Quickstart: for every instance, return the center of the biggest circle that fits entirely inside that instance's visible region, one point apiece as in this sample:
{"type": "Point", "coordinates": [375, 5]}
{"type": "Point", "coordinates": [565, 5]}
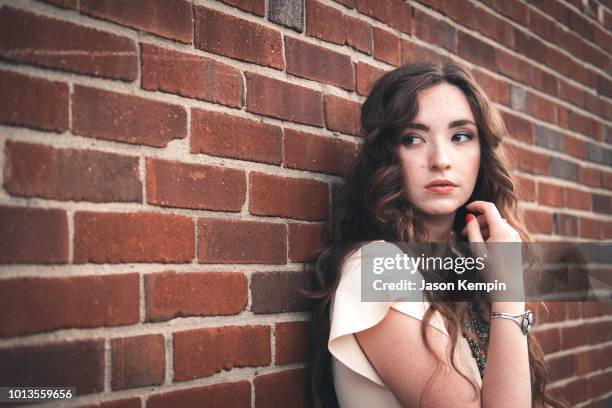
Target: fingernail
{"type": "Point", "coordinates": [469, 217]}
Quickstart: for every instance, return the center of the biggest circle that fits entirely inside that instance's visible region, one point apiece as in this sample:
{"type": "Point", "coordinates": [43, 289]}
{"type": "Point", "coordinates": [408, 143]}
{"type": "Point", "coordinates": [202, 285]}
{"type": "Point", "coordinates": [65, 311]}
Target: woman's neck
{"type": "Point", "coordinates": [439, 227]}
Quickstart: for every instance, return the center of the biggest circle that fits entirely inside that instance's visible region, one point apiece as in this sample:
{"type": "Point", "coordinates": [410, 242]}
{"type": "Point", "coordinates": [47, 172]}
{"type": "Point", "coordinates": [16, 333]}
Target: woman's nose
{"type": "Point", "coordinates": [439, 158]}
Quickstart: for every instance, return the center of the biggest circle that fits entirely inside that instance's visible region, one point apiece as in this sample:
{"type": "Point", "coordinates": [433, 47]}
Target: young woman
{"type": "Point", "coordinates": [431, 169]}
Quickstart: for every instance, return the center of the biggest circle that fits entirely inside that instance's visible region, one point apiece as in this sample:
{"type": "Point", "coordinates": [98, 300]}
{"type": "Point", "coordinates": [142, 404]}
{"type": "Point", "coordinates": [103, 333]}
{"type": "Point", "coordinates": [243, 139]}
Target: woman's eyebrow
{"type": "Point", "coordinates": [451, 125]}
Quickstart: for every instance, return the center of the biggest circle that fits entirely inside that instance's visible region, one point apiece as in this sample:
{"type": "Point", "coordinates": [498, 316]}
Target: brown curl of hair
{"type": "Point", "coordinates": [370, 205]}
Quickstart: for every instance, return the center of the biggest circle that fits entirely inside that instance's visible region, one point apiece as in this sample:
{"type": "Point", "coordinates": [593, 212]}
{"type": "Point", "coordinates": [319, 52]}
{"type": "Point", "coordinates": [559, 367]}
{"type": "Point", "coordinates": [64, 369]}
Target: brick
{"type": "Point", "coordinates": [515, 10]}
{"type": "Point", "coordinates": [529, 46]}
{"type": "Point", "coordinates": [575, 147]}
{"type": "Point", "coordinates": [572, 337]}
{"type": "Point", "coordinates": [51, 43]}
{"type": "Point", "coordinates": [78, 363]}
{"type": "Point", "coordinates": [304, 239]}
{"type": "Point", "coordinates": [171, 19]}
{"type": "Point", "coordinates": [34, 305]}
{"type": "Point", "coordinates": [33, 102]}
{"type": "Point", "coordinates": [190, 76]}
{"type": "Point", "coordinates": [585, 125]}
{"type": "Point", "coordinates": [528, 161]}
{"type": "Point", "coordinates": [317, 153]}
{"type": "Point", "coordinates": [496, 90]}
{"type": "Point", "coordinates": [566, 225]}
{"type": "Point", "coordinates": [541, 108]}
{"type": "Point", "coordinates": [395, 13]}
{"type": "Point", "coordinates": [282, 389]}
{"type": "Point", "coordinates": [309, 61]}
{"type": "Point", "coordinates": [598, 385]}
{"type": "Point", "coordinates": [236, 38]}
{"type": "Point", "coordinates": [539, 222]}
{"type": "Point", "coordinates": [366, 75]}
{"type": "Point", "coordinates": [572, 93]}
{"type": "Point", "coordinates": [475, 50]}
{"type": "Point", "coordinates": [22, 229]}
{"type": "Point", "coordinates": [195, 186]}
{"type": "Point", "coordinates": [578, 199]}
{"type": "Point", "coordinates": [257, 7]}
{"type": "Point", "coordinates": [561, 367]}
{"type": "Point", "coordinates": [346, 3]}
{"type": "Point", "coordinates": [138, 361]}
{"type": "Point", "coordinates": [573, 392]}
{"type": "Point", "coordinates": [33, 170]}
{"type": "Point", "coordinates": [511, 66]}
{"type": "Point", "coordinates": [412, 52]}
{"type": "Point", "coordinates": [132, 237]}
{"type": "Point", "coordinates": [580, 25]}
{"type": "Point", "coordinates": [283, 100]}
{"type": "Point", "coordinates": [485, 22]}
{"type": "Point", "coordinates": [117, 403]}
{"type": "Point", "coordinates": [358, 35]}
{"type": "Point", "coordinates": [278, 292]}
{"type": "Point", "coordinates": [518, 128]}
{"type": "Point", "coordinates": [235, 394]}
{"type": "Point", "coordinates": [607, 180]}
{"type": "Point", "coordinates": [590, 176]}
{"type": "Point", "coordinates": [342, 115]}
{"type": "Point", "coordinates": [170, 294]}
{"type": "Point", "coordinates": [564, 169]}
{"type": "Point", "coordinates": [549, 138]}
{"type": "Point", "coordinates": [602, 204]}
{"type": "Point", "coordinates": [204, 352]}
{"type": "Point", "coordinates": [599, 332]}
{"type": "Point", "coordinates": [434, 31]}
{"type": "Point", "coordinates": [550, 194]}
{"type": "Point", "coordinates": [289, 13]}
{"type": "Point", "coordinates": [326, 23]}
{"type": "Point", "coordinates": [526, 188]}
{"type": "Point", "coordinates": [291, 342]}
{"type": "Point", "coordinates": [598, 154]}
{"type": "Point", "coordinates": [591, 228]}
{"type": "Point", "coordinates": [126, 118]}
{"type": "Point", "coordinates": [387, 47]}
{"type": "Point", "coordinates": [237, 241]}
{"type": "Point", "coordinates": [224, 135]}
{"type": "Point", "coordinates": [550, 340]}
{"type": "Point", "coordinates": [290, 197]}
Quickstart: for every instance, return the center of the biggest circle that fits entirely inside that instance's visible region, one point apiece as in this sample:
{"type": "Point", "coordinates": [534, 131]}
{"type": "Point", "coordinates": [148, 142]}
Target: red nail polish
{"type": "Point", "coordinates": [469, 217]}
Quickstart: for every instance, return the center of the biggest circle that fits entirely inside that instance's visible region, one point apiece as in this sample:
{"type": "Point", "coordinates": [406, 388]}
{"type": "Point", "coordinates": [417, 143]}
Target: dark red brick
{"type": "Point", "coordinates": [191, 76]}
{"type": "Point", "coordinates": [317, 153]}
{"type": "Point", "coordinates": [324, 22]}
{"type": "Point", "coordinates": [132, 237]}
{"type": "Point", "coordinates": [283, 100]}
{"type": "Point", "coordinates": [234, 394]}
{"type": "Point", "coordinates": [236, 38]}
{"type": "Point", "coordinates": [237, 241]}
{"type": "Point", "coordinates": [366, 75]}
{"type": "Point", "coordinates": [257, 7]}
{"type": "Point", "coordinates": [171, 294]}
{"type": "Point", "coordinates": [33, 305]}
{"type": "Point", "coordinates": [387, 47]}
{"type": "Point", "coordinates": [539, 222]}
{"type": "Point", "coordinates": [292, 344]}
{"type": "Point", "coordinates": [224, 135]}
{"type": "Point", "coordinates": [52, 43]}
{"type": "Point", "coordinates": [171, 19]}
{"type": "Point", "coordinates": [278, 292]}
{"type": "Point", "coordinates": [319, 64]}
{"type": "Point", "coordinates": [396, 13]}
{"type": "Point", "coordinates": [196, 186]}
{"type": "Point", "coordinates": [289, 197]}
{"type": "Point", "coordinates": [282, 389]}
{"type": "Point", "coordinates": [138, 361]}
{"type": "Point", "coordinates": [126, 118]}
{"type": "Point", "coordinates": [33, 235]}
{"type": "Point", "coordinates": [204, 352]}
{"type": "Point", "coordinates": [304, 239]}
{"type": "Point", "coordinates": [33, 170]}
{"type": "Point", "coordinates": [342, 115]}
{"type": "Point", "coordinates": [33, 102]}
{"type": "Point", "coordinates": [434, 31]}
{"type": "Point", "coordinates": [79, 364]}
{"type": "Point", "coordinates": [475, 50]}
{"type": "Point", "coordinates": [359, 35]}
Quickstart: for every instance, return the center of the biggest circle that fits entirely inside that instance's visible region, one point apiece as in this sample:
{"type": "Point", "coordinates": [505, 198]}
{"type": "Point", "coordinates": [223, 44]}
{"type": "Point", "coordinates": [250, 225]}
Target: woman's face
{"type": "Point", "coordinates": [442, 143]}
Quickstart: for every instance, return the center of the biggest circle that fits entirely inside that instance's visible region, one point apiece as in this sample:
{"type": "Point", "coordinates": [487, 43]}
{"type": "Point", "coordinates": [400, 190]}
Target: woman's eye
{"type": "Point", "coordinates": [462, 137]}
{"type": "Point", "coordinates": [411, 140]}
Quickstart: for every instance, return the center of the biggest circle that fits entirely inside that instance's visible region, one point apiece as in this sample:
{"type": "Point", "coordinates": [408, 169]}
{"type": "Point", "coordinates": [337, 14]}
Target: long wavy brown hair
{"type": "Point", "coordinates": [370, 205]}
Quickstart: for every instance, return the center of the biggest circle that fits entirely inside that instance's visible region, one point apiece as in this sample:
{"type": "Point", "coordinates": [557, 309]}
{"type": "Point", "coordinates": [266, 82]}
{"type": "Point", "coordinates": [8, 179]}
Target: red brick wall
{"type": "Point", "coordinates": [168, 165]}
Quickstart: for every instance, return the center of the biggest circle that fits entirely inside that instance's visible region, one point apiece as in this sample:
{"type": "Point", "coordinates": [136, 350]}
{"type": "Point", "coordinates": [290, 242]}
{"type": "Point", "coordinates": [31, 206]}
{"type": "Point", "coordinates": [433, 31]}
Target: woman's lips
{"type": "Point", "coordinates": [441, 189]}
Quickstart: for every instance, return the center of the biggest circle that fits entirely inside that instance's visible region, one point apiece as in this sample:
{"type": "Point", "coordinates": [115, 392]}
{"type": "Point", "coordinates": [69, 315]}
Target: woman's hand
{"type": "Point", "coordinates": [494, 239]}
{"type": "Point", "coordinates": [489, 225]}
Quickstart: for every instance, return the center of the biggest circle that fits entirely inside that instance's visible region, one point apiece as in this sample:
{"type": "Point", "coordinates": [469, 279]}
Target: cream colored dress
{"type": "Point", "coordinates": [356, 381]}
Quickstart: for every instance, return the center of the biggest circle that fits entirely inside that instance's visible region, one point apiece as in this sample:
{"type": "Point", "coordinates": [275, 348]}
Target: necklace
{"type": "Point", "coordinates": [476, 325]}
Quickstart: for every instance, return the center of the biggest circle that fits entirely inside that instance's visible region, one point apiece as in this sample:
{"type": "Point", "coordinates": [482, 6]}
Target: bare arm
{"type": "Point", "coordinates": [397, 351]}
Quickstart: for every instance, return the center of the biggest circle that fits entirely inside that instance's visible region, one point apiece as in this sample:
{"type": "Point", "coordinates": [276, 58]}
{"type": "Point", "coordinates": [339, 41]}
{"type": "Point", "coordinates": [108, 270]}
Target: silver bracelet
{"type": "Point", "coordinates": [524, 323]}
